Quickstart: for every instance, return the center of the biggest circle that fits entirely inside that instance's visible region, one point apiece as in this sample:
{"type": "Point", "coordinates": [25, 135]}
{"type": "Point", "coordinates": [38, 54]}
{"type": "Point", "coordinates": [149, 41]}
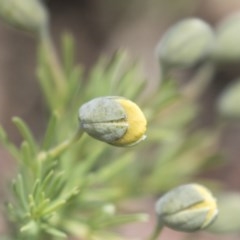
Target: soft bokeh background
{"type": "Point", "coordinates": [102, 27]}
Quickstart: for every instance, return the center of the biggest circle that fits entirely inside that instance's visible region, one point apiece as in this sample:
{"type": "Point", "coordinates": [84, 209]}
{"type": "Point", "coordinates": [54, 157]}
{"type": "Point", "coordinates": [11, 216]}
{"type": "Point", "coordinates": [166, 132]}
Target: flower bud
{"type": "Point", "coordinates": [227, 47]}
{"type": "Point", "coordinates": [115, 120]}
{"type": "Point", "coordinates": [29, 15]}
{"type": "Point", "coordinates": [187, 208]}
{"type": "Point", "coordinates": [186, 43]}
{"type": "Point", "coordinates": [228, 102]}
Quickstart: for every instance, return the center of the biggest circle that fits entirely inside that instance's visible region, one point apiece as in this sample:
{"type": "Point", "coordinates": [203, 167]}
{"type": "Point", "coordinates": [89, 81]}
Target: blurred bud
{"type": "Point", "coordinates": [227, 47]}
{"type": "Point", "coordinates": [109, 209]}
{"type": "Point", "coordinates": [228, 220]}
{"type": "Point", "coordinates": [229, 100]}
{"type": "Point", "coordinates": [28, 15]}
{"type": "Point", "coordinates": [115, 120]}
{"type": "Point", "coordinates": [187, 208]}
{"type": "Point", "coordinates": [185, 44]}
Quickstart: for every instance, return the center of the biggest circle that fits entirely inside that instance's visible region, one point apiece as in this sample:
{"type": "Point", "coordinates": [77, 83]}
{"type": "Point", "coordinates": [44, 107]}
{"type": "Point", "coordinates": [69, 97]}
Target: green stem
{"type": "Point", "coordinates": [61, 148]}
{"type": "Point", "coordinates": [157, 230]}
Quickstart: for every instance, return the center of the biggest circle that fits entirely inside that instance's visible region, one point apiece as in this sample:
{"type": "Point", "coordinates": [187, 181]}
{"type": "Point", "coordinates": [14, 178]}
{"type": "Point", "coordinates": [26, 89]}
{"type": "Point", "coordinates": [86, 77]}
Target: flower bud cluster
{"type": "Point", "coordinates": [192, 40]}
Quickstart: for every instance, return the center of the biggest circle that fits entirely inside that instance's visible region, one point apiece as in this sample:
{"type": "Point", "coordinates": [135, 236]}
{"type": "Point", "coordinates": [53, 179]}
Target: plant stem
{"type": "Point", "coordinates": [58, 150]}
{"type": "Point", "coordinates": [157, 230]}
{"type": "Point", "coordinates": [55, 152]}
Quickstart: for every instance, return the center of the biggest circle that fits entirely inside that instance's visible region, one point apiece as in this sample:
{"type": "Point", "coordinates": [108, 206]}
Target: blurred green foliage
{"type": "Point", "coordinates": [54, 194]}
{"type": "Point", "coordinates": [68, 188]}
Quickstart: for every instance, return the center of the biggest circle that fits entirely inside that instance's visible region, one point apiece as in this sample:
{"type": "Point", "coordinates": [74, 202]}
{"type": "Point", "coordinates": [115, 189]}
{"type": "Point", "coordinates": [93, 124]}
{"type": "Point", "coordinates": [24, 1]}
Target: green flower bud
{"type": "Point", "coordinates": [227, 47]}
{"type": "Point", "coordinates": [29, 15]}
{"type": "Point", "coordinates": [115, 120]}
{"type": "Point", "coordinates": [228, 101]}
{"type": "Point", "coordinates": [187, 208]}
{"type": "Point", "coordinates": [186, 43]}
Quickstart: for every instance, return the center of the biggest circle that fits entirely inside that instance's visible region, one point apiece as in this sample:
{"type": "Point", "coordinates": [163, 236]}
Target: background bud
{"type": "Point", "coordinates": [29, 15]}
{"type": "Point", "coordinates": [186, 43]}
{"type": "Point", "coordinates": [115, 120]}
{"type": "Point", "coordinates": [229, 100]}
{"type": "Point", "coordinates": [187, 208]}
{"type": "Point", "coordinates": [227, 47]}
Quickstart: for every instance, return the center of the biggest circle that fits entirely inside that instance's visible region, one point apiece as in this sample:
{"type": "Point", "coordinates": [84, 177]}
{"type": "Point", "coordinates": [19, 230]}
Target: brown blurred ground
{"type": "Point", "coordinates": [102, 27]}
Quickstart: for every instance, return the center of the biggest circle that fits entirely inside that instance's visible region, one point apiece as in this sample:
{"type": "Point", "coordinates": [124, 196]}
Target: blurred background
{"type": "Point", "coordinates": [102, 27]}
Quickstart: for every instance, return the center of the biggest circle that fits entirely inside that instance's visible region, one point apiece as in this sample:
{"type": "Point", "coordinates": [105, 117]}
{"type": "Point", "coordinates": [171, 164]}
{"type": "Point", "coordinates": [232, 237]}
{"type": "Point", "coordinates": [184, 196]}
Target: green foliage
{"type": "Point", "coordinates": [65, 189]}
{"type": "Point", "coordinates": [71, 185]}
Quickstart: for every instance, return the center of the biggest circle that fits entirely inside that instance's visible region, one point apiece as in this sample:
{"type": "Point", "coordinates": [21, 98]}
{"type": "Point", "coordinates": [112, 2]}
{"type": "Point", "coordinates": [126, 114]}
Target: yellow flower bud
{"type": "Point", "coordinates": [115, 120]}
{"type": "Point", "coordinates": [29, 15]}
{"type": "Point", "coordinates": [187, 208]}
